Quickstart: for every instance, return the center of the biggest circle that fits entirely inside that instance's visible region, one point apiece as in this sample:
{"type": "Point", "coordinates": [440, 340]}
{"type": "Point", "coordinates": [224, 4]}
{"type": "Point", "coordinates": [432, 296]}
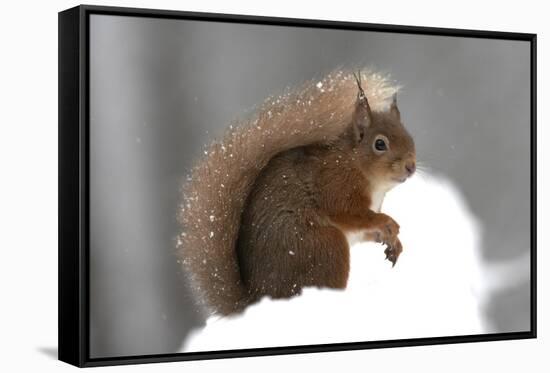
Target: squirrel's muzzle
{"type": "Point", "coordinates": [410, 167]}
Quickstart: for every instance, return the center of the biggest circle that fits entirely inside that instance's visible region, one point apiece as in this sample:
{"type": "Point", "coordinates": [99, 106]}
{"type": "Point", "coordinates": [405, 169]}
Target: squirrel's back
{"type": "Point", "coordinates": [211, 244]}
{"type": "Point", "coordinates": [274, 251]}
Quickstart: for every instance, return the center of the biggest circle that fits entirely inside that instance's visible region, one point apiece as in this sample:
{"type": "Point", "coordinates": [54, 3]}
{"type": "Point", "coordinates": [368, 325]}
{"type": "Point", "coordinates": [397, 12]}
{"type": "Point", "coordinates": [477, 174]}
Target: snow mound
{"type": "Point", "coordinates": [435, 289]}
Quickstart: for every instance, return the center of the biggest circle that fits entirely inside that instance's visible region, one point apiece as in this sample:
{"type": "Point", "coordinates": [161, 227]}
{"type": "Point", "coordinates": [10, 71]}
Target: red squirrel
{"type": "Point", "coordinates": [267, 211]}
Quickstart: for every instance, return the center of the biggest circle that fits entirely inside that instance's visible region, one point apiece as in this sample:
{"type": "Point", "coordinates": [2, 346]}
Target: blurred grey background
{"type": "Point", "coordinates": [160, 89]}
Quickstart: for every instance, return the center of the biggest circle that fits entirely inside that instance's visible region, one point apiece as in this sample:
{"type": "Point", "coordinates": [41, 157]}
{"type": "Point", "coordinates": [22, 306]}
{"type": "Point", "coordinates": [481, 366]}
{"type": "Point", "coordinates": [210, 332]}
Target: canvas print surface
{"type": "Point", "coordinates": [266, 186]}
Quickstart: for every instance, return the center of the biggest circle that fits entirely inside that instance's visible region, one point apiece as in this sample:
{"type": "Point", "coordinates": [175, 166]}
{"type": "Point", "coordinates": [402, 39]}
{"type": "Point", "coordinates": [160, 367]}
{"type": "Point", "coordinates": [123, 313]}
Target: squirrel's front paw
{"type": "Point", "coordinates": [388, 236]}
{"type": "Point", "coordinates": [393, 250]}
{"type": "Point", "coordinates": [387, 231]}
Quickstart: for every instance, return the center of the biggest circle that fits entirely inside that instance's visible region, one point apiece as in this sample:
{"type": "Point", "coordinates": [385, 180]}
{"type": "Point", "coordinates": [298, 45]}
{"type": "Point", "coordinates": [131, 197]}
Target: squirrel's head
{"type": "Point", "coordinates": [382, 143]}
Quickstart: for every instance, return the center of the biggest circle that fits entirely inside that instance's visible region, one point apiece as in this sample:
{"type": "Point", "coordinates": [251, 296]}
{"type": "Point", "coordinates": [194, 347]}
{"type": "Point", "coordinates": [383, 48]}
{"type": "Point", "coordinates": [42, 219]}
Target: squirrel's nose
{"type": "Point", "coordinates": [410, 167]}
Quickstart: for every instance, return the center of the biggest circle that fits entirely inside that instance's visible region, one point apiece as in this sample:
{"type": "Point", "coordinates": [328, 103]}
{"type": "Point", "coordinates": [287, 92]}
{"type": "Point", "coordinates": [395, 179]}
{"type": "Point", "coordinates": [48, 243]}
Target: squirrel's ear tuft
{"type": "Point", "coordinates": [394, 110]}
{"type": "Point", "coordinates": [362, 116]}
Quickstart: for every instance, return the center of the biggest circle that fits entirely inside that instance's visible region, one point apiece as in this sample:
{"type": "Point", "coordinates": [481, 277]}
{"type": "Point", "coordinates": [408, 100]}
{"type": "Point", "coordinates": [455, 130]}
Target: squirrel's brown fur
{"type": "Point", "coordinates": [266, 210]}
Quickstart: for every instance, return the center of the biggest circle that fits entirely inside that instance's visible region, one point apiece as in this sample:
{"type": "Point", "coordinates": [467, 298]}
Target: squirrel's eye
{"type": "Point", "coordinates": [380, 145]}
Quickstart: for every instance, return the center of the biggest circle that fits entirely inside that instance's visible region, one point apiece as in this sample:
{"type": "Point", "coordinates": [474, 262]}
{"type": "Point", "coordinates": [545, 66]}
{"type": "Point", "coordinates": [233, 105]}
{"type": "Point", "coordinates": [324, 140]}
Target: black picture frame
{"type": "Point", "coordinates": [74, 327]}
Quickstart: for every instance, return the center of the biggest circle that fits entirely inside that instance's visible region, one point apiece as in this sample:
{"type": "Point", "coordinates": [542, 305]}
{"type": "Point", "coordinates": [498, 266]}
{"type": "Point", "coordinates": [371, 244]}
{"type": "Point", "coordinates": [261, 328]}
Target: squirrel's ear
{"type": "Point", "coordinates": [394, 110]}
{"type": "Point", "coordinates": [362, 117]}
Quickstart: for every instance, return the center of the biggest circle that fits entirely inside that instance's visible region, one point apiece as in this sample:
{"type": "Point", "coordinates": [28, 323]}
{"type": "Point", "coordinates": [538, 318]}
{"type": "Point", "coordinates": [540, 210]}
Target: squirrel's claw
{"type": "Point", "coordinates": [392, 251]}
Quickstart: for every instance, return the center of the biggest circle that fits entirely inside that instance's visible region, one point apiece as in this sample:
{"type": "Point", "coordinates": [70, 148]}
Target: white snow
{"type": "Point", "coordinates": [435, 289]}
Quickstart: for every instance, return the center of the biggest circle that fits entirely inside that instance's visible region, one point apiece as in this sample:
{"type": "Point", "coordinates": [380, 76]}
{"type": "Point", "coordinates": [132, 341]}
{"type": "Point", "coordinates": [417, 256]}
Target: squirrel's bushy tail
{"type": "Point", "coordinates": [214, 195]}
